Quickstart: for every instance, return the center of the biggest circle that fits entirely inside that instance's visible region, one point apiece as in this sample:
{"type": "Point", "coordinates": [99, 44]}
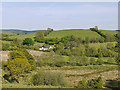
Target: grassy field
{"type": "Point", "coordinates": [62, 33]}
{"type": "Point", "coordinates": [101, 44]}
{"type": "Point", "coordinates": [73, 74]}
{"type": "Point", "coordinates": [23, 36]}
{"type": "Point", "coordinates": [109, 32]}
{"type": "Point", "coordinates": [82, 33]}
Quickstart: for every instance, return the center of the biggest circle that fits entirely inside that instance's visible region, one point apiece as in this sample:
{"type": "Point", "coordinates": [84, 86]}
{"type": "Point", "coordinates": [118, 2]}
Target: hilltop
{"type": "Point", "coordinates": [82, 33]}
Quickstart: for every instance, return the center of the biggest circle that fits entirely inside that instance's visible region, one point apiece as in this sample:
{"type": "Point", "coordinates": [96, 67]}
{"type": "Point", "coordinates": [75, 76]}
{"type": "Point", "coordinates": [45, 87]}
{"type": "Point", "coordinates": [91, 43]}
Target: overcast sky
{"type": "Point", "coordinates": [41, 15]}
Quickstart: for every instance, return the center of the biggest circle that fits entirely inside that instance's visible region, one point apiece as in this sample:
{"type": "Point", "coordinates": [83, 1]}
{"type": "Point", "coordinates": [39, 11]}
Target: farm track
{"type": "Point", "coordinates": [35, 53]}
{"type": "Point", "coordinates": [105, 75]}
{"type": "Point", "coordinates": [4, 55]}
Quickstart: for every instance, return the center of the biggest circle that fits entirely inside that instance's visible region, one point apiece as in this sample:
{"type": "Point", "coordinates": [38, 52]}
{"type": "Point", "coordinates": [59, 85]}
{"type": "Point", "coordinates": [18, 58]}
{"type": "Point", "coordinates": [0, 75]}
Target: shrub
{"type": "Point", "coordinates": [92, 61]}
{"type": "Point", "coordinates": [82, 84]}
{"type": "Point", "coordinates": [5, 46]}
{"type": "Point", "coordinates": [22, 53]}
{"type": "Point", "coordinates": [110, 45]}
{"type": "Point", "coordinates": [78, 60]}
{"type": "Point", "coordinates": [30, 58]}
{"type": "Point", "coordinates": [16, 67]}
{"type": "Point", "coordinates": [58, 61]}
{"type": "Point", "coordinates": [28, 41]}
{"type": "Point", "coordinates": [49, 78]}
{"type": "Point", "coordinates": [92, 83]}
{"type": "Point", "coordinates": [95, 83]}
{"type": "Point", "coordinates": [16, 54]}
{"type": "Point", "coordinates": [39, 37]}
{"type": "Point", "coordinates": [111, 60]}
{"type": "Point", "coordinates": [99, 61]}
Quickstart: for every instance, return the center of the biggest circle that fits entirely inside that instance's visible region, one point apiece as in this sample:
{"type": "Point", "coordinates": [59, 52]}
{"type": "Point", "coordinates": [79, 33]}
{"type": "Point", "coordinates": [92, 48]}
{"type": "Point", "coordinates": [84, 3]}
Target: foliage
{"type": "Point", "coordinates": [92, 83]}
{"type": "Point", "coordinates": [78, 61]}
{"type": "Point", "coordinates": [39, 37]}
{"type": "Point", "coordinates": [110, 45]}
{"type": "Point", "coordinates": [28, 41]}
{"type": "Point", "coordinates": [82, 84]}
{"type": "Point", "coordinates": [95, 83]}
{"type": "Point", "coordinates": [16, 67]}
{"type": "Point", "coordinates": [58, 61]}
{"type": "Point", "coordinates": [67, 38]}
{"type": "Point", "coordinates": [99, 61]}
{"type": "Point", "coordinates": [30, 58]}
{"type": "Point", "coordinates": [111, 60]}
{"type": "Point", "coordinates": [49, 78]}
{"type": "Point", "coordinates": [92, 61]}
{"type": "Point", "coordinates": [16, 54]}
{"type": "Point", "coordinates": [5, 46]}
{"type": "Point", "coordinates": [22, 53]}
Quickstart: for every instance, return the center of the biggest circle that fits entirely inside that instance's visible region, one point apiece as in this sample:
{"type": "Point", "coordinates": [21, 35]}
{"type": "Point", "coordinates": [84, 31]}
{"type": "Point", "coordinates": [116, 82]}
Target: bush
{"type": "Point", "coordinates": [16, 67]}
{"type": "Point", "coordinates": [22, 53]}
{"type": "Point", "coordinates": [99, 61]}
{"type": "Point", "coordinates": [58, 61]}
{"type": "Point", "coordinates": [5, 46]}
{"type": "Point", "coordinates": [79, 61]}
{"type": "Point", "coordinates": [92, 61]}
{"type": "Point", "coordinates": [49, 78]}
{"type": "Point", "coordinates": [30, 58]}
{"type": "Point", "coordinates": [16, 54]}
{"type": "Point", "coordinates": [92, 83]}
{"type": "Point", "coordinates": [111, 60]}
{"type": "Point", "coordinates": [110, 45]}
{"type": "Point", "coordinates": [82, 84]}
{"type": "Point", "coordinates": [28, 41]}
{"type": "Point", "coordinates": [95, 83]}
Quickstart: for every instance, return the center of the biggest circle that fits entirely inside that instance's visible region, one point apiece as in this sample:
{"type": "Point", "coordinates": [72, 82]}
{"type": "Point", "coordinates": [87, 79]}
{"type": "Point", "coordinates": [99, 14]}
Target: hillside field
{"type": "Point", "coordinates": [82, 33]}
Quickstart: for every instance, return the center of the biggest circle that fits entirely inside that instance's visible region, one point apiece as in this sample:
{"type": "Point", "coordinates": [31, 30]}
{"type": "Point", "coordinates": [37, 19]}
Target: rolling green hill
{"type": "Point", "coordinates": [82, 33]}
{"type": "Point", "coordinates": [23, 36]}
{"type": "Point", "coordinates": [109, 32]}
{"type": "Point", "coordinates": [17, 31]}
{"type": "Point", "coordinates": [7, 32]}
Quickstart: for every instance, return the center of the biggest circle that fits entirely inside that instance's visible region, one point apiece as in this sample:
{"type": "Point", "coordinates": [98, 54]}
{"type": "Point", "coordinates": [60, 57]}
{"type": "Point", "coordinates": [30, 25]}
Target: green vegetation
{"type": "Point", "coordinates": [20, 61]}
{"type": "Point", "coordinates": [49, 78]}
{"type": "Point", "coordinates": [28, 41]}
{"type": "Point", "coordinates": [75, 32]}
{"type": "Point", "coordinates": [79, 54]}
{"type": "Point", "coordinates": [15, 68]}
{"type": "Point", "coordinates": [93, 83]}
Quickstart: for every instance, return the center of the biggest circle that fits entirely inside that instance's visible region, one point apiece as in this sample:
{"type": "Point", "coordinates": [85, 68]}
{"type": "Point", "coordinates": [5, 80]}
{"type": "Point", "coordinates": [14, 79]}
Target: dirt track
{"type": "Point", "coordinates": [4, 55]}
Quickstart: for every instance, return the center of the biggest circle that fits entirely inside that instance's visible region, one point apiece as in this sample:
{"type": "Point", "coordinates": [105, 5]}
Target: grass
{"type": "Point", "coordinates": [82, 33]}
{"type": "Point", "coordinates": [23, 36]}
{"type": "Point", "coordinates": [101, 44]}
{"type": "Point", "coordinates": [62, 33]}
{"type": "Point", "coordinates": [81, 73]}
{"type": "Point", "coordinates": [89, 67]}
{"type": "Point", "coordinates": [96, 72]}
{"type": "Point", "coordinates": [109, 32]}
{"type": "Point", "coordinates": [29, 86]}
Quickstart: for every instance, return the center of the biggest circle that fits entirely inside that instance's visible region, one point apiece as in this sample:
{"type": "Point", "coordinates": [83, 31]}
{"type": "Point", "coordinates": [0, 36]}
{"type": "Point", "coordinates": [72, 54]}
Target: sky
{"type": "Point", "coordinates": [59, 15]}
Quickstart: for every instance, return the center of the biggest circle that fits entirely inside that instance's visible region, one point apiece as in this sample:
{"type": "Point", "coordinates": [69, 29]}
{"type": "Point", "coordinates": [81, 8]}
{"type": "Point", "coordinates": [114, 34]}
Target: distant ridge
{"type": "Point", "coordinates": [19, 31]}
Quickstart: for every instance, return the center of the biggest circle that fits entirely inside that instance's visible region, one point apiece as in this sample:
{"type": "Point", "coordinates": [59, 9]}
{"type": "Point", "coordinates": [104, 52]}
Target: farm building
{"type": "Point", "coordinates": [45, 48]}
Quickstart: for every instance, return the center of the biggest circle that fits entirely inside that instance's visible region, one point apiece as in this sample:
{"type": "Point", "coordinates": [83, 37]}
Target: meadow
{"type": "Point", "coordinates": [67, 61]}
{"type": "Point", "coordinates": [73, 75]}
{"type": "Point", "coordinates": [82, 33]}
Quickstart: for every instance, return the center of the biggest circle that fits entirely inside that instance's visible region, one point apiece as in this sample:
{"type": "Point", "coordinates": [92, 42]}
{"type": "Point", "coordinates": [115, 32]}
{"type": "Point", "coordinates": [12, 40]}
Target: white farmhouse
{"type": "Point", "coordinates": [45, 48]}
